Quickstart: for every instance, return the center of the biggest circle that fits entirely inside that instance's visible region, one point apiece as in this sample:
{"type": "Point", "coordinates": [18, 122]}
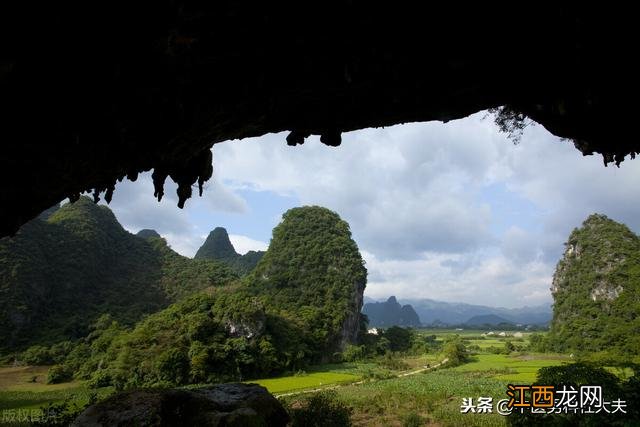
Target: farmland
{"type": "Point", "coordinates": [378, 391]}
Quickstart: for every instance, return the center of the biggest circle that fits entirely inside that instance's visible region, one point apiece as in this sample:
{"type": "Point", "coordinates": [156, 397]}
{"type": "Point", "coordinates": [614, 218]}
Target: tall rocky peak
{"type": "Point", "coordinates": [391, 313]}
{"type": "Point", "coordinates": [314, 265]}
{"type": "Point", "coordinates": [217, 246]}
{"type": "Point", "coordinates": [595, 288]}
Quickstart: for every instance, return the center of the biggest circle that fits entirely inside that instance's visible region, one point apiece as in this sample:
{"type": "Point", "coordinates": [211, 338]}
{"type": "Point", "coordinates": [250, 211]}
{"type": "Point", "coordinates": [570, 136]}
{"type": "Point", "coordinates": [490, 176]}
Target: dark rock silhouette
{"type": "Point", "coordinates": [218, 247]}
{"type": "Point", "coordinates": [83, 105]}
{"type": "Point", "coordinates": [390, 313]}
{"type": "Point", "coordinates": [233, 405]}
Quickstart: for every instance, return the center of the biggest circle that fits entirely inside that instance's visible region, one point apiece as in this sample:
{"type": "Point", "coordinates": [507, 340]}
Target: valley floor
{"type": "Point", "coordinates": [377, 395]}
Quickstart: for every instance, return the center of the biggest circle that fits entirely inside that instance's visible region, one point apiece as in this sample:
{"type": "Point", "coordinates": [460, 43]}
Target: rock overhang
{"type": "Point", "coordinates": [93, 96]}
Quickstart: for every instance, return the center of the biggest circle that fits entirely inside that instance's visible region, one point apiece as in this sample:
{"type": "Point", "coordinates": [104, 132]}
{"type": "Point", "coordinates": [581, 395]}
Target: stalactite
{"type": "Point", "coordinates": [331, 137]}
{"type": "Point", "coordinates": [296, 137]}
{"type": "Point", "coordinates": [159, 176]}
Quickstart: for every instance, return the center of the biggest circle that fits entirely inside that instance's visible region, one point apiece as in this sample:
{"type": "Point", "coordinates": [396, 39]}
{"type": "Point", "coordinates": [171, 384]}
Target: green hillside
{"type": "Point", "coordinates": [596, 290]}
{"type": "Point", "coordinates": [301, 304]}
{"type": "Point", "coordinates": [314, 265]}
{"type": "Point", "coordinates": [66, 268]}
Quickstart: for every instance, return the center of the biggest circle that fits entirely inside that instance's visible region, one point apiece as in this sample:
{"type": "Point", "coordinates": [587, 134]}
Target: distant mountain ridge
{"type": "Point", "coordinates": [486, 319]}
{"type": "Point", "coordinates": [432, 311]}
{"type": "Point", "coordinates": [390, 313]}
{"type": "Point", "coordinates": [218, 247]}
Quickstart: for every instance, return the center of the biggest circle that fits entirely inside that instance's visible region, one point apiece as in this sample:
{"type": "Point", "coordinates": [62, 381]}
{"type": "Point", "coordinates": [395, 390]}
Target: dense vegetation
{"type": "Point", "coordinates": [313, 276]}
{"type": "Point", "coordinates": [300, 306]}
{"type": "Point", "coordinates": [390, 313]}
{"type": "Point", "coordinates": [595, 288]}
{"type": "Point", "coordinates": [218, 247]}
{"type": "Point", "coordinates": [579, 374]}
{"type": "Point", "coordinates": [220, 336]}
{"type": "Point", "coordinates": [72, 264]}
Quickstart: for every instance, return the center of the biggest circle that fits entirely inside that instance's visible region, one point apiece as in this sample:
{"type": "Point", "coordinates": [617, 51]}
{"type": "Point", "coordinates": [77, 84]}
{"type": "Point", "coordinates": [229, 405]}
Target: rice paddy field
{"type": "Point", "coordinates": [312, 380]}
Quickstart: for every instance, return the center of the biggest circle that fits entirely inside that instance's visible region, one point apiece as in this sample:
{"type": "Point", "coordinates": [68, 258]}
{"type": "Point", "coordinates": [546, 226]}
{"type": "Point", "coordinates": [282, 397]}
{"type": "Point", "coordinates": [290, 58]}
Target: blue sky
{"type": "Point", "coordinates": [454, 211]}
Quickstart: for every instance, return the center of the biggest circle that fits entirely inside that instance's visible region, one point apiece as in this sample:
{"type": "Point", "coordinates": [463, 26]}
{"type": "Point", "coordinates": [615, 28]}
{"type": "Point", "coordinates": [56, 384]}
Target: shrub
{"type": "Point", "coordinates": [455, 351]}
{"type": "Point", "coordinates": [399, 338]}
{"type": "Point", "coordinates": [392, 361]}
{"type": "Point", "coordinates": [353, 353]}
{"type": "Point", "coordinates": [58, 374]}
{"type": "Point", "coordinates": [495, 350]}
{"type": "Point", "coordinates": [577, 374]}
{"type": "Point", "coordinates": [509, 347]}
{"type": "Point", "coordinates": [377, 374]}
{"type": "Point", "coordinates": [300, 373]}
{"type": "Point", "coordinates": [58, 352]}
{"type": "Point", "coordinates": [37, 355]}
{"type": "Point", "coordinates": [320, 410]}
{"type": "Point", "coordinates": [100, 378]}
{"type": "Point", "coordinates": [412, 420]}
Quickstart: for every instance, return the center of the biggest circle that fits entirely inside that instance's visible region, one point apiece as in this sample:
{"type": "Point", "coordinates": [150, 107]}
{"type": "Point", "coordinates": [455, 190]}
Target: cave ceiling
{"type": "Point", "coordinates": [96, 92]}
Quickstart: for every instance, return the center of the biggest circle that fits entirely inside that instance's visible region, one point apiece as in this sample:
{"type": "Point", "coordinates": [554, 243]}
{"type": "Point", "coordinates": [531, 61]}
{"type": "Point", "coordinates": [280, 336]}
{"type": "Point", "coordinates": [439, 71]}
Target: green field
{"type": "Point", "coordinates": [521, 369]}
{"type": "Point", "coordinates": [435, 396]}
{"type": "Point", "coordinates": [24, 394]}
{"type": "Point", "coordinates": [306, 381]}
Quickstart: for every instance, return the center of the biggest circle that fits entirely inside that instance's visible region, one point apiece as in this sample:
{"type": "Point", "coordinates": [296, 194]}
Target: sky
{"type": "Point", "coordinates": [453, 212]}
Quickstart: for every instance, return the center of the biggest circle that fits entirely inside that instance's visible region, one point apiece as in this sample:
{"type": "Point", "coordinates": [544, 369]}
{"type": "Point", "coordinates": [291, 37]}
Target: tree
{"type": "Point", "coordinates": [399, 338]}
{"type": "Point", "coordinates": [455, 351]}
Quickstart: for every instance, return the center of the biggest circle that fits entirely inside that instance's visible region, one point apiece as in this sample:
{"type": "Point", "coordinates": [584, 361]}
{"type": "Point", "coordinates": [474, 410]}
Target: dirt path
{"type": "Point", "coordinates": [333, 387]}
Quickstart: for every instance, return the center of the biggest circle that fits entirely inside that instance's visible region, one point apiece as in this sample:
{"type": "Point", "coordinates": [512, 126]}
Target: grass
{"type": "Point", "coordinates": [23, 389]}
{"type": "Point", "coordinates": [436, 396]}
{"type": "Point", "coordinates": [513, 369]}
{"type": "Point", "coordinates": [307, 381]}
{"type": "Point", "coordinates": [30, 379]}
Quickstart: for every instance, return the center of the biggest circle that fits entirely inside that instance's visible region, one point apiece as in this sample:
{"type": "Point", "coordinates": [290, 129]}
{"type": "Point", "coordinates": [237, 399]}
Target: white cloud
{"type": "Point", "coordinates": [244, 244]}
{"type": "Point", "coordinates": [421, 202]}
{"type": "Point", "coordinates": [413, 195]}
{"type": "Point", "coordinates": [494, 281]}
{"type": "Point", "coordinates": [520, 245]}
{"type": "Point", "coordinates": [404, 190]}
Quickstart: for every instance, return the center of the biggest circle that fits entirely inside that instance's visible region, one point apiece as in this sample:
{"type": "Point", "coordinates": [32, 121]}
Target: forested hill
{"type": "Point", "coordinates": [314, 276]}
{"type": "Point", "coordinates": [595, 288]}
{"type": "Point", "coordinates": [69, 265]}
{"type": "Point", "coordinates": [390, 313]}
{"type": "Point", "coordinates": [217, 246]}
{"type": "Point", "coordinates": [300, 306]}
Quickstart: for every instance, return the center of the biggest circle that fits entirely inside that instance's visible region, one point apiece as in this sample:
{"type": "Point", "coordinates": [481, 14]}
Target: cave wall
{"type": "Point", "coordinates": [92, 93]}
